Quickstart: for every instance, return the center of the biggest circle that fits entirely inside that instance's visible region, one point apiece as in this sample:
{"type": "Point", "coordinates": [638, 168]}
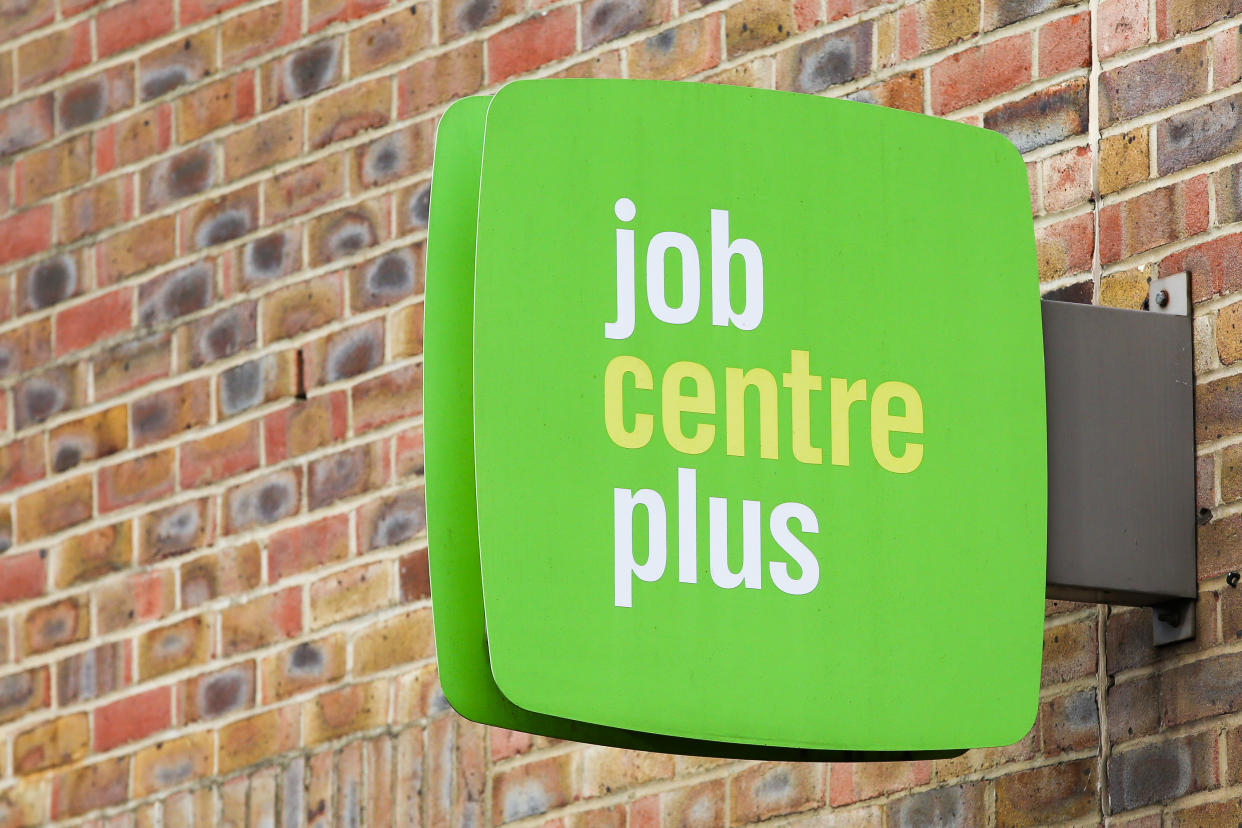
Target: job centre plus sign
{"type": "Point", "coordinates": [688, 408]}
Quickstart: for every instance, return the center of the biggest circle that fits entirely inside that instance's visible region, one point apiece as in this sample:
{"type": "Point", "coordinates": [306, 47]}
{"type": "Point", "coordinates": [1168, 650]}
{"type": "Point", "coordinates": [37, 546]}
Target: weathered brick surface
{"type": "Point", "coordinates": [211, 459]}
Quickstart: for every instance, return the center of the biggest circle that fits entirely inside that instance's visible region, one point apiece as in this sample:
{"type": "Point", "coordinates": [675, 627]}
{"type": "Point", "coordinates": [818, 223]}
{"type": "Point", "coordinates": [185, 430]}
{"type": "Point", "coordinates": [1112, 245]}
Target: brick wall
{"type": "Point", "coordinates": [213, 588]}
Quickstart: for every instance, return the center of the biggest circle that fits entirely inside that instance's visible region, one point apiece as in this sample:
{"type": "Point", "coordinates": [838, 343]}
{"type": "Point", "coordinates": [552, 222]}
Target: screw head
{"type": "Point", "coordinates": [1162, 298]}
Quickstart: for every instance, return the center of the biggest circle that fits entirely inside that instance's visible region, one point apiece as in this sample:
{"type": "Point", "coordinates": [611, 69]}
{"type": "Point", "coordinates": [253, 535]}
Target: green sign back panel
{"type": "Point", "coordinates": [465, 670]}
{"type": "Point", "coordinates": [806, 509]}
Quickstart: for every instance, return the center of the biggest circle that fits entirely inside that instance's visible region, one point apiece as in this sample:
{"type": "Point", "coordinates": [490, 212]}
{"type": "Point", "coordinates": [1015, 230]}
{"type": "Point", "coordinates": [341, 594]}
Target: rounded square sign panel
{"type": "Point", "coordinates": [759, 417]}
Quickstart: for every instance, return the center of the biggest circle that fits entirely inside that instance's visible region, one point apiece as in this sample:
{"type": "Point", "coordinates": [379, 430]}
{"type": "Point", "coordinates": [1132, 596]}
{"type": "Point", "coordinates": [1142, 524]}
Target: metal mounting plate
{"type": "Point", "coordinates": [1121, 499]}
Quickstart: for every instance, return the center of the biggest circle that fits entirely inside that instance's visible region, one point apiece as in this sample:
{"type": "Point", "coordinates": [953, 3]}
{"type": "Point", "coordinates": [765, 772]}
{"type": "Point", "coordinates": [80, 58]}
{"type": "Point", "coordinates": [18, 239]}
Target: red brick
{"type": "Point", "coordinates": [226, 101]}
{"type": "Point", "coordinates": [184, 61]}
{"type": "Point", "coordinates": [345, 710]}
{"type": "Point", "coordinates": [407, 637]}
{"type": "Point", "coordinates": [55, 625]}
{"type": "Point", "coordinates": [193, 11]}
{"type": "Point", "coordinates": [1043, 117]}
{"type": "Point", "coordinates": [388, 397]}
{"type": "Point", "coordinates": [24, 17]}
{"type": "Point", "coordinates": [262, 144]}
{"type": "Point", "coordinates": [175, 529]}
{"type": "Point", "coordinates": [530, 44]}
{"type": "Point", "coordinates": [1133, 708]}
{"type": "Point", "coordinates": [136, 249]}
{"type": "Point", "coordinates": [440, 79]}
{"type": "Point", "coordinates": [392, 520]}
{"type": "Point", "coordinates": [963, 805]}
{"type": "Point", "coordinates": [305, 426]}
{"type": "Point", "coordinates": [25, 233]}
{"type": "Point", "coordinates": [690, 47]}
{"type": "Point", "coordinates": [132, 22]}
{"type": "Point", "coordinates": [125, 602]}
{"type": "Point", "coordinates": [344, 354]}
{"type": "Point", "coordinates": [323, 12]}
{"type": "Point", "coordinates": [132, 718]}
{"type": "Point", "coordinates": [301, 307]}
{"type": "Point", "coordinates": [228, 572]}
{"type": "Point", "coordinates": [95, 97]}
{"type": "Point", "coordinates": [26, 124]}
{"type": "Point", "coordinates": [409, 452]}
{"type": "Point", "coordinates": [220, 335]}
{"type": "Point", "coordinates": [221, 455]}
{"type": "Point", "coordinates": [1123, 25]}
{"type": "Point", "coordinates": [1132, 784]}
{"type": "Point", "coordinates": [1070, 722]}
{"type": "Point", "coordinates": [1226, 60]}
{"type": "Point", "coordinates": [54, 54]}
{"type": "Point", "coordinates": [460, 17]}
{"type": "Point", "coordinates": [218, 693]}
{"type": "Point", "coordinates": [347, 473]}
{"type": "Point", "coordinates": [81, 789]}
{"type": "Point", "coordinates": [346, 232]}
{"type": "Point", "coordinates": [169, 412]}
{"type": "Point", "coordinates": [92, 555]}
{"type": "Point", "coordinates": [182, 175]}
{"type": "Point", "coordinates": [396, 275]}
{"type": "Point", "coordinates": [23, 692]}
{"type": "Point", "coordinates": [25, 348]}
{"type": "Point", "coordinates": [1158, 82]}
{"type": "Point", "coordinates": [391, 157]}
{"type": "Point", "coordinates": [1153, 219]}
{"type": "Point", "coordinates": [388, 39]}
{"type": "Point", "coordinates": [1069, 651]}
{"type": "Point", "coordinates": [350, 593]}
{"type": "Point", "coordinates": [1066, 179]}
{"type": "Point", "coordinates": [259, 381]}
{"type": "Point", "coordinates": [134, 138]}
{"type": "Point", "coordinates": [1052, 793]}
{"type": "Point", "coordinates": [1065, 44]}
{"type": "Point", "coordinates": [51, 744]}
{"type": "Point", "coordinates": [532, 788]}
{"type": "Point", "coordinates": [413, 573]}
{"type": "Point", "coordinates": [141, 479]}
{"type": "Point", "coordinates": [349, 111]}
{"type": "Point", "coordinates": [54, 508]}
{"type": "Point", "coordinates": [260, 31]}
{"type": "Point", "coordinates": [173, 762]}
{"type": "Point", "coordinates": [303, 666]}
{"type": "Point", "coordinates": [302, 73]}
{"type": "Point", "coordinates": [49, 170]}
{"type": "Point", "coordinates": [245, 742]}
{"type": "Point", "coordinates": [815, 65]}
{"type": "Point", "coordinates": [853, 782]}
{"type": "Point", "coordinates": [264, 500]}
{"type": "Point", "coordinates": [265, 259]}
{"type": "Point", "coordinates": [980, 73]}
{"type": "Point", "coordinates": [308, 546]}
{"type": "Point", "coordinates": [88, 210]}
{"type": "Point", "coordinates": [298, 190]}
{"type": "Point", "coordinates": [505, 744]}
{"type": "Point", "coordinates": [934, 24]}
{"type": "Point", "coordinates": [261, 621]}
{"type": "Point", "coordinates": [22, 576]}
{"type": "Point", "coordinates": [174, 647]}
{"type": "Point", "coordinates": [96, 319]}
{"type": "Point", "coordinates": [1214, 266]}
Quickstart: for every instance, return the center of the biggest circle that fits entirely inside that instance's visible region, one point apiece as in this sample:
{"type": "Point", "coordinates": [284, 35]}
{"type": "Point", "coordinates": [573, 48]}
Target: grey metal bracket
{"type": "Point", "coordinates": [1173, 621]}
{"type": "Point", "coordinates": [1121, 476]}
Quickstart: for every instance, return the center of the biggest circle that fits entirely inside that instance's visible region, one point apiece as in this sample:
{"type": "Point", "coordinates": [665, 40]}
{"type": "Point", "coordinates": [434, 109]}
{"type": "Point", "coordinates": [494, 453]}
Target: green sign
{"type": "Point", "coordinates": [758, 427]}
